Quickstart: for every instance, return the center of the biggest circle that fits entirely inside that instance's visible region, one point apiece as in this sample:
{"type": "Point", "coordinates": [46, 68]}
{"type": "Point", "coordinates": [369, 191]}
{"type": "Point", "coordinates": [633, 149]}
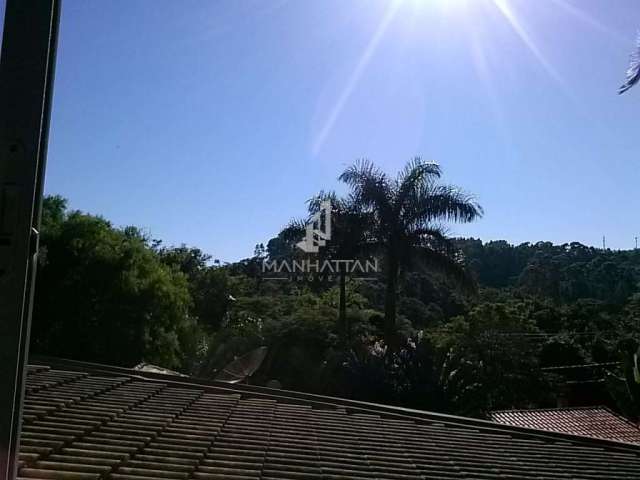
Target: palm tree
{"type": "Point", "coordinates": [406, 213]}
{"type": "Point", "coordinates": [349, 239]}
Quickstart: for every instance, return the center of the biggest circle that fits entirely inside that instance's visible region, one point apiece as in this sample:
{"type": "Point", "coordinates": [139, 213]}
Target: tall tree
{"type": "Point", "coordinates": [406, 214]}
{"type": "Point", "coordinates": [208, 284]}
{"type": "Point", "coordinates": [349, 239]}
{"type": "Point", "coordinates": [103, 294]}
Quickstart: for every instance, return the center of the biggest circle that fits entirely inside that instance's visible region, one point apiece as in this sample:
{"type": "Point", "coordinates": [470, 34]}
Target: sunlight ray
{"type": "Point", "coordinates": [506, 10]}
{"type": "Point", "coordinates": [365, 58]}
{"type": "Point", "coordinates": [483, 71]}
{"type": "Point", "coordinates": [588, 19]}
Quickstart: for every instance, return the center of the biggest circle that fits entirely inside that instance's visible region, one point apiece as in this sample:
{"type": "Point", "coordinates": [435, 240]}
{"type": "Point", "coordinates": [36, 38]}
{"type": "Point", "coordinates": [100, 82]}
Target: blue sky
{"type": "Point", "coordinates": [212, 122]}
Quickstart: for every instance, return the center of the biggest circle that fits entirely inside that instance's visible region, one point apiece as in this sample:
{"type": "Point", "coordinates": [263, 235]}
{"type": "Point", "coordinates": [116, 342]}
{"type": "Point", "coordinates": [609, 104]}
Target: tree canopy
{"type": "Point", "coordinates": [544, 323]}
{"type": "Point", "coordinates": [104, 294]}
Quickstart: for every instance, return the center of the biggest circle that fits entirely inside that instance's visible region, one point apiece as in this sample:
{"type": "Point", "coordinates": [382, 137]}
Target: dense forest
{"type": "Point", "coordinates": [467, 327]}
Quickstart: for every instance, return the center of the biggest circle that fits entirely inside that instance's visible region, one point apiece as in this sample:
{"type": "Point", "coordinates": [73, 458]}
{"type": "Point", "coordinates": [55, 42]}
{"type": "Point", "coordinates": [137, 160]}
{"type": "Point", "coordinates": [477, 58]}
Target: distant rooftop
{"type": "Point", "coordinates": [595, 422]}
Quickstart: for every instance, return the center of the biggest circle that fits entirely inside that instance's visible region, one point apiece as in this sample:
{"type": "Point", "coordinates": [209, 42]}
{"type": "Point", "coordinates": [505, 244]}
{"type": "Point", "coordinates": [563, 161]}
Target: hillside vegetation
{"type": "Point", "coordinates": [474, 327]}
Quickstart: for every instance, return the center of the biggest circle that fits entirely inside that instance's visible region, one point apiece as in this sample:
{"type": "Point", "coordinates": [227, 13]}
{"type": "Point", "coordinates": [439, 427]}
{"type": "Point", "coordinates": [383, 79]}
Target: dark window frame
{"type": "Point", "coordinates": [27, 64]}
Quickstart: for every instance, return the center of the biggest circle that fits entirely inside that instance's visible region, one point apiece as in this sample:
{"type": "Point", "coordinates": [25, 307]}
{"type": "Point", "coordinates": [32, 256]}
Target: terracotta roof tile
{"type": "Point", "coordinates": [83, 421]}
{"type": "Point", "coordinates": [596, 422]}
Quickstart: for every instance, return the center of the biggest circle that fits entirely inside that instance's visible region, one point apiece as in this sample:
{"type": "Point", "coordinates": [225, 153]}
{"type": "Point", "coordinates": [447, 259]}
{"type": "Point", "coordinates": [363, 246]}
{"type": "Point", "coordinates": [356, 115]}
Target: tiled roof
{"type": "Point", "coordinates": [83, 421]}
{"type": "Point", "coordinates": [597, 422]}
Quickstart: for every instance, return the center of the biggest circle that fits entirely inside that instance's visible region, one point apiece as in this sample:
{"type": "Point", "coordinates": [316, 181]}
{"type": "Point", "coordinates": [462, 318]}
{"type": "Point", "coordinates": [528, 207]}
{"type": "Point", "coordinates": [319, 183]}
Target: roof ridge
{"type": "Point", "coordinates": [321, 401]}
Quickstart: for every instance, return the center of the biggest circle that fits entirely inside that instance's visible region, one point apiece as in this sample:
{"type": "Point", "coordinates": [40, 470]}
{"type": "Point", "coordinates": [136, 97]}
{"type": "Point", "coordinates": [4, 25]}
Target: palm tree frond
{"type": "Point", "coordinates": [369, 185]}
{"type": "Point", "coordinates": [293, 231]}
{"type": "Point", "coordinates": [633, 72]}
{"type": "Point", "coordinates": [315, 202]}
{"type": "Point", "coordinates": [435, 238]}
{"type": "Point", "coordinates": [362, 170]}
{"type": "Point", "coordinates": [416, 167]}
{"type": "Point", "coordinates": [446, 202]}
{"type": "Point", "coordinates": [415, 175]}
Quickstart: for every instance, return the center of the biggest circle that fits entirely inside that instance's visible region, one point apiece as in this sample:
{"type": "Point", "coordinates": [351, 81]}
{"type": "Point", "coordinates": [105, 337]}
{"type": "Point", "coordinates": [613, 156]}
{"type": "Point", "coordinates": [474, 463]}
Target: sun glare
{"type": "Point", "coordinates": [470, 14]}
{"type": "Point", "coordinates": [509, 14]}
{"type": "Point", "coordinates": [442, 5]}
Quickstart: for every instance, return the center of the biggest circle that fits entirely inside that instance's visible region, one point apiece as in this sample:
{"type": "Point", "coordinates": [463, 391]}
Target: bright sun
{"type": "Point", "coordinates": [460, 11]}
{"type": "Point", "coordinates": [442, 4]}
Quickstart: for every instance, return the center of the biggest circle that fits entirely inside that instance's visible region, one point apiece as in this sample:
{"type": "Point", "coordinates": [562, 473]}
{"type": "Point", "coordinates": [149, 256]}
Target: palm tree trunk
{"type": "Point", "coordinates": [342, 308]}
{"type": "Point", "coordinates": [391, 293]}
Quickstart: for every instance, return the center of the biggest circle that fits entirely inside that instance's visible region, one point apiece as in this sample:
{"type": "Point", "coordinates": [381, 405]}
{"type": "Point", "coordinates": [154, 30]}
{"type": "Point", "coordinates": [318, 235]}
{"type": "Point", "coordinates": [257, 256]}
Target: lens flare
{"type": "Point", "coordinates": [354, 78]}
{"type": "Point", "coordinates": [505, 8]}
{"type": "Point", "coordinates": [470, 12]}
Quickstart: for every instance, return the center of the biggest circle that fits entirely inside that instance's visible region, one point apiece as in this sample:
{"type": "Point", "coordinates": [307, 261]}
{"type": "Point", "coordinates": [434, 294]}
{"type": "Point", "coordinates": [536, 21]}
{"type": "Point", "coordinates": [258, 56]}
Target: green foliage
{"type": "Point", "coordinates": [103, 295]}
{"type": "Point", "coordinates": [112, 295]}
{"type": "Point", "coordinates": [299, 330]}
{"type": "Point", "coordinates": [489, 359]}
{"type": "Point", "coordinates": [419, 314]}
{"type": "Point", "coordinates": [208, 285]}
{"type": "Point", "coordinates": [563, 273]}
{"type": "Point", "coordinates": [405, 376]}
